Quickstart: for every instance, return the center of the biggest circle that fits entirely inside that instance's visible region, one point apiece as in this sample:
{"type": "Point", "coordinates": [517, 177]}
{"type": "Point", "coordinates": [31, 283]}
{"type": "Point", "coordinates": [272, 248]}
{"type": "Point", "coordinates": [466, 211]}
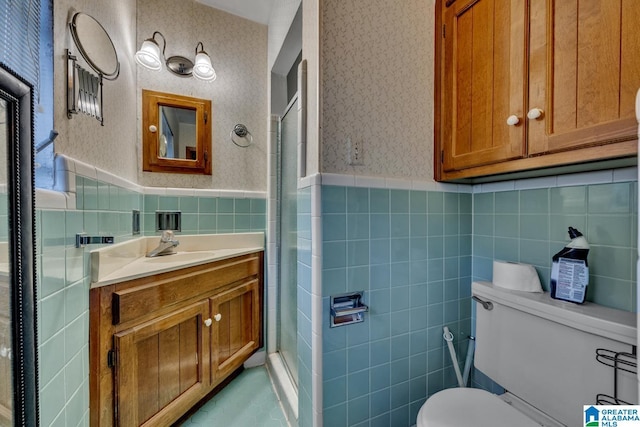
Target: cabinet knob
{"type": "Point", "coordinates": [535, 113]}
{"type": "Point", "coordinates": [218, 317]}
{"type": "Point", "coordinates": [153, 129]}
{"type": "Point", "coordinates": [513, 120]}
{"type": "Point", "coordinates": [208, 322]}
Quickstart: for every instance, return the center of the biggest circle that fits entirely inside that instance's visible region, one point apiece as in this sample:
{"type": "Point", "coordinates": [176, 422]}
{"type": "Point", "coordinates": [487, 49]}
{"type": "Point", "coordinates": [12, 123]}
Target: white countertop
{"type": "Point", "coordinates": [127, 260]}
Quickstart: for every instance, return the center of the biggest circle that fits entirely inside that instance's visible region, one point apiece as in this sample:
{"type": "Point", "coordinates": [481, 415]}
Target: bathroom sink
{"type": "Point", "coordinates": [178, 257]}
{"type": "Point", "coordinates": [127, 260]}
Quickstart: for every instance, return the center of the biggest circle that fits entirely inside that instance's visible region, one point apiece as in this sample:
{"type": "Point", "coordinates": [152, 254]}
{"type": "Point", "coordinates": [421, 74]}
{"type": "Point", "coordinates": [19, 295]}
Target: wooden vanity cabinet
{"type": "Point", "coordinates": [159, 344]}
{"type": "Point", "coordinates": [564, 73]}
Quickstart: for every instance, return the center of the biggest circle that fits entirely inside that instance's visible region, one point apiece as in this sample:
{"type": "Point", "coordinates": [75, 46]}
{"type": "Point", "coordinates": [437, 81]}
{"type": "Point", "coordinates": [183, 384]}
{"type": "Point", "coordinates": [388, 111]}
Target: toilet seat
{"type": "Point", "coordinates": [462, 407]}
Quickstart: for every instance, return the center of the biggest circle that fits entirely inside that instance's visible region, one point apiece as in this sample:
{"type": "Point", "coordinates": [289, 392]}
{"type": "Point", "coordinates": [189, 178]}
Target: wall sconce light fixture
{"type": "Point", "coordinates": [150, 57]}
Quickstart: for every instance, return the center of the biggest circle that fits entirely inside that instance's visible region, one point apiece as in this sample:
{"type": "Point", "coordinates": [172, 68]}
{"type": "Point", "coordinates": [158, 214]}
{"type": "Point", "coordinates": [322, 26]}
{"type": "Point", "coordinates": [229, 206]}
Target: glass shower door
{"type": "Point", "coordinates": [287, 204]}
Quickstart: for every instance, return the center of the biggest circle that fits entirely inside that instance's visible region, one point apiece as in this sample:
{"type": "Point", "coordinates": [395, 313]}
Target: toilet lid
{"type": "Point", "coordinates": [462, 407]}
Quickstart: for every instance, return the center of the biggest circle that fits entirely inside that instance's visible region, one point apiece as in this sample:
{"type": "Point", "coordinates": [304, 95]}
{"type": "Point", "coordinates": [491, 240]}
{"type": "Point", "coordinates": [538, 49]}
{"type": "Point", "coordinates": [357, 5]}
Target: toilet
{"type": "Point", "coordinates": [543, 352]}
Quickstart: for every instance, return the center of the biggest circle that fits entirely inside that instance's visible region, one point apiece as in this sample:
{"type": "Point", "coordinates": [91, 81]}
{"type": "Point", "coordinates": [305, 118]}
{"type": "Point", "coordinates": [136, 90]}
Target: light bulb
{"type": "Point", "coordinates": [202, 68]}
{"type": "Point", "coordinates": [149, 55]}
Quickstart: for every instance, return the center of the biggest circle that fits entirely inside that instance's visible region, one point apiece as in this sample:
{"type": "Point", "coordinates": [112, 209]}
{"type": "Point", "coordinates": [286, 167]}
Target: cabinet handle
{"type": "Point", "coordinates": [513, 120]}
{"type": "Point", "coordinates": [218, 317]}
{"type": "Point", "coordinates": [208, 322]}
{"type": "Point", "coordinates": [535, 113]}
{"type": "Point", "coordinates": [153, 129]}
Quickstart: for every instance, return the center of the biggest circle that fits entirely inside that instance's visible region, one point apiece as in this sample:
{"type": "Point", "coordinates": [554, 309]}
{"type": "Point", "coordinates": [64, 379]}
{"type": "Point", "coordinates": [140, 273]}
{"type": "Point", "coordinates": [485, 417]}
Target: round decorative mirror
{"type": "Point", "coordinates": [95, 45]}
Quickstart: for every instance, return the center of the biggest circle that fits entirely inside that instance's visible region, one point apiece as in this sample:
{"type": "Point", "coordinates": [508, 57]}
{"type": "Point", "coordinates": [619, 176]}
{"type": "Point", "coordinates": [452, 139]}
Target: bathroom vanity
{"type": "Point", "coordinates": [165, 331]}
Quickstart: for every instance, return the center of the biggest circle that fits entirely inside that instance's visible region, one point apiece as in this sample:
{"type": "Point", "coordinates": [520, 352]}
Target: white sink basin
{"type": "Point", "coordinates": [127, 260]}
{"type": "Point", "coordinates": [178, 257]}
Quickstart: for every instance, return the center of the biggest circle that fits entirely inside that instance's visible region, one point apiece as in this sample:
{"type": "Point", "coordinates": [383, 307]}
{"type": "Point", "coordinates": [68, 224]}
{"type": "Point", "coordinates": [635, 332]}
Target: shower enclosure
{"type": "Point", "coordinates": [287, 206]}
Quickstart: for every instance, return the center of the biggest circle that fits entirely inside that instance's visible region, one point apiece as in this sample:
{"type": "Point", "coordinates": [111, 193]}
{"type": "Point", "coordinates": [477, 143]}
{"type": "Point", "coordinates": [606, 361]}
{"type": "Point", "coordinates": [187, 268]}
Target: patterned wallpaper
{"type": "Point", "coordinates": [310, 53]}
{"type": "Point", "coordinates": [112, 146]}
{"type": "Point", "coordinates": [282, 14]}
{"type": "Point", "coordinates": [238, 51]}
{"type": "Point", "coordinates": [377, 80]}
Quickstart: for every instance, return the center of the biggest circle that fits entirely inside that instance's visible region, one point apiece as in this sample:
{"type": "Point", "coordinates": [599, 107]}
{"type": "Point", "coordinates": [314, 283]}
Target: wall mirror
{"type": "Point", "coordinates": [95, 45]}
{"type": "Point", "coordinates": [176, 133]}
{"type": "Point", "coordinates": [18, 347]}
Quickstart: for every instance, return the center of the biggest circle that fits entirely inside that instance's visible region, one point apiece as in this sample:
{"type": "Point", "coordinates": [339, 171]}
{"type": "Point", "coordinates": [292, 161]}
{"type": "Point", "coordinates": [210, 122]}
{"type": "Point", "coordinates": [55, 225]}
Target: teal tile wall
{"type": "Point", "coordinates": [410, 251]}
{"type": "Point", "coordinates": [4, 218]}
{"type": "Point", "coordinates": [64, 276]}
{"type": "Point", "coordinates": [305, 408]}
{"type": "Point", "coordinates": [208, 215]}
{"type": "Point", "coordinates": [531, 226]}
{"type": "Point", "coordinates": [63, 294]}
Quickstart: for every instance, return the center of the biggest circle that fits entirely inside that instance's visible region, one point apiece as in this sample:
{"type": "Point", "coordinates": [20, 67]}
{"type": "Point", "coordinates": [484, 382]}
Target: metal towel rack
{"type": "Point", "coordinates": [619, 361]}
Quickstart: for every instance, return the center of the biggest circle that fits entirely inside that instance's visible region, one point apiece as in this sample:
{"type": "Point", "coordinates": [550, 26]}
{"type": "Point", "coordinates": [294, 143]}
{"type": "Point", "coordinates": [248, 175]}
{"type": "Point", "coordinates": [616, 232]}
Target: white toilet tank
{"type": "Point", "coordinates": [544, 350]}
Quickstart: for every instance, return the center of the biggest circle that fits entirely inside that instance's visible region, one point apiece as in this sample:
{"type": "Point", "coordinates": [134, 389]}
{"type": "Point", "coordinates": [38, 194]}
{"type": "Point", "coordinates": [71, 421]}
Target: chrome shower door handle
{"type": "Point", "coordinates": [487, 305]}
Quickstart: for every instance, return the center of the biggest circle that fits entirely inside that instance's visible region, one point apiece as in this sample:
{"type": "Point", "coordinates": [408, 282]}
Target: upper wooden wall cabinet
{"type": "Point", "coordinates": [531, 84]}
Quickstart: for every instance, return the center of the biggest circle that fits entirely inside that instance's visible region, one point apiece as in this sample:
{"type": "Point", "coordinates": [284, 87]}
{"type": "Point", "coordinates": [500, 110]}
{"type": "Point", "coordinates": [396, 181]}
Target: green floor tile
{"type": "Point", "coordinates": [248, 401]}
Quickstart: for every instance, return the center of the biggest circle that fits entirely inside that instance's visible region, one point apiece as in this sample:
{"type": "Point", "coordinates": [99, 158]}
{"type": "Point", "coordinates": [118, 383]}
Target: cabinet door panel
{"type": "Point", "coordinates": [169, 360]}
{"type": "Point", "coordinates": [583, 74]}
{"type": "Point", "coordinates": [236, 331]}
{"type": "Point", "coordinates": [484, 69]}
{"type": "Point", "coordinates": [148, 378]}
{"type": "Point", "coordinates": [188, 363]}
{"type": "Point", "coordinates": [630, 62]}
{"type": "Point", "coordinates": [162, 367]}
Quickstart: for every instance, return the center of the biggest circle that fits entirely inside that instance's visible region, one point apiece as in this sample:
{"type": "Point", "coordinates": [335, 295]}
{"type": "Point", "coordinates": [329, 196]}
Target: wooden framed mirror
{"type": "Point", "coordinates": [176, 133]}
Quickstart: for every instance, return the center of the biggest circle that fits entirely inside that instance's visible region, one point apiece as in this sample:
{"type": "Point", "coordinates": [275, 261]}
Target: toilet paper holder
{"type": "Point", "coordinates": [347, 309]}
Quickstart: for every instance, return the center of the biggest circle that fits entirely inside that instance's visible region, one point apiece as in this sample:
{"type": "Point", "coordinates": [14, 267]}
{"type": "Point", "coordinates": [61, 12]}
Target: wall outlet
{"type": "Point", "coordinates": [356, 154]}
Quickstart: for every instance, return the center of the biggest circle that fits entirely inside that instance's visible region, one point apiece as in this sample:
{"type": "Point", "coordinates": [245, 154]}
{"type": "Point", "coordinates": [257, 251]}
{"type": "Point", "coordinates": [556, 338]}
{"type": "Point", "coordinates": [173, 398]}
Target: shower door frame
{"type": "Point", "coordinates": [288, 110]}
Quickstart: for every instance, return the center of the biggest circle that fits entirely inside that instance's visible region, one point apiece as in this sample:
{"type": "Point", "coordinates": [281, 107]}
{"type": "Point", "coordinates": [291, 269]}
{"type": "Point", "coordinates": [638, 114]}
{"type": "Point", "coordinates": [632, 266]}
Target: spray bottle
{"type": "Point", "coordinates": [570, 271]}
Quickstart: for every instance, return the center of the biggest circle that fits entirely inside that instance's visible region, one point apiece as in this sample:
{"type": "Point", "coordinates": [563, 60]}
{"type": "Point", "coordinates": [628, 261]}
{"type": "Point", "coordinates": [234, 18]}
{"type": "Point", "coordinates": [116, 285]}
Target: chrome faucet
{"type": "Point", "coordinates": [167, 245]}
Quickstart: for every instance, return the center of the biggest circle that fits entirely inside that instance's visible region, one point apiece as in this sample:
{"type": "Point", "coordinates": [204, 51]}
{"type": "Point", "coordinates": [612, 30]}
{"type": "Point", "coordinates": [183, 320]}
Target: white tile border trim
{"type": "Point", "coordinates": [49, 199]}
{"type": "Point", "coordinates": [581, 178]}
{"type": "Point", "coordinates": [66, 169]}
{"type": "Point", "coordinates": [316, 304]}
{"type": "Point", "coordinates": [380, 182]}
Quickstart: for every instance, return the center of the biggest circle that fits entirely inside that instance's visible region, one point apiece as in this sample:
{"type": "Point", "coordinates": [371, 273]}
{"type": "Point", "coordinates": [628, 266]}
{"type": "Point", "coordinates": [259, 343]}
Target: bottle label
{"type": "Point", "coordinates": [573, 278]}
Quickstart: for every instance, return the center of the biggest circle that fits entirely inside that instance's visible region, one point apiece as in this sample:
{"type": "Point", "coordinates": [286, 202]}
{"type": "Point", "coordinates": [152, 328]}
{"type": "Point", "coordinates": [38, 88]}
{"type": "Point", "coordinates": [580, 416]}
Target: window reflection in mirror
{"type": "Point", "coordinates": [176, 133]}
{"type": "Point", "coordinates": [6, 389]}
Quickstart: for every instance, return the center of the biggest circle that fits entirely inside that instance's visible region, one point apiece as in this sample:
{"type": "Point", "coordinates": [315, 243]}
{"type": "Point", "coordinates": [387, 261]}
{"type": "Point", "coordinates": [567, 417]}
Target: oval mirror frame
{"type": "Point", "coordinates": [95, 45]}
{"type": "Point", "coordinates": [198, 159]}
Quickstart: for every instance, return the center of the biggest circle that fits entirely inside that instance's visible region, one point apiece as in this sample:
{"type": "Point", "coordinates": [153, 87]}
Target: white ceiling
{"type": "Point", "coordinates": [255, 10]}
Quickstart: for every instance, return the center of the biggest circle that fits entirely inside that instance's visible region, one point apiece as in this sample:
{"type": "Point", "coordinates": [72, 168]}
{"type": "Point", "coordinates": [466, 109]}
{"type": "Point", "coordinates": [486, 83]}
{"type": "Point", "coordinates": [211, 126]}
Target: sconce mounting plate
{"type": "Point", "coordinates": [180, 66]}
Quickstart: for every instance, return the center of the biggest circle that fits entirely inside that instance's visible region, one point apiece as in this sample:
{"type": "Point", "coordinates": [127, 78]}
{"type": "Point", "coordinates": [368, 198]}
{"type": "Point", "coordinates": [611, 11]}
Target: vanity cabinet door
{"type": "Point", "coordinates": [162, 367]}
{"type": "Point", "coordinates": [235, 331]}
